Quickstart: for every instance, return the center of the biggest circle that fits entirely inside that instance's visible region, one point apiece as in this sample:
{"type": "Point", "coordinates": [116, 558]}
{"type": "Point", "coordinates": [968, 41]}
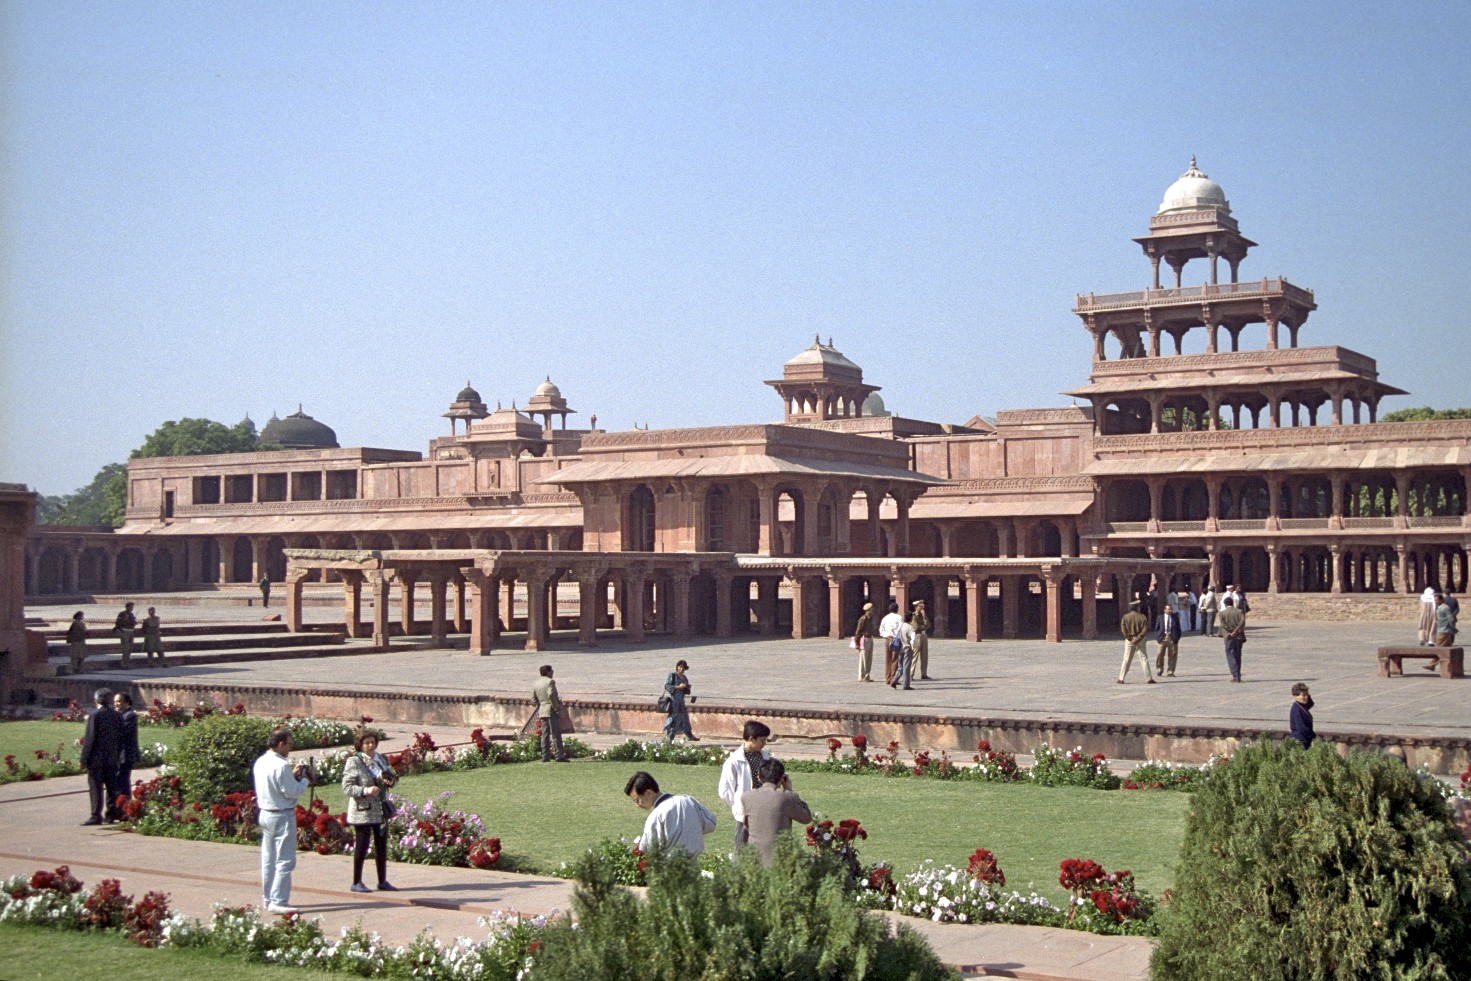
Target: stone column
{"type": "Point", "coordinates": [352, 601]}
{"type": "Point", "coordinates": [438, 622]}
{"type": "Point", "coordinates": [1090, 606]}
{"type": "Point", "coordinates": [1271, 326]}
{"type": "Point", "coordinates": [1272, 584]}
{"type": "Point", "coordinates": [587, 608]}
{"type": "Point", "coordinates": [1402, 500]}
{"type": "Point", "coordinates": [835, 624]}
{"type": "Point", "coordinates": [462, 625]}
{"type": "Point", "coordinates": [975, 606]}
{"type": "Point", "coordinates": [794, 585]}
{"type": "Point", "coordinates": [679, 604]}
{"type": "Point", "coordinates": [769, 535]}
{"type": "Point", "coordinates": [1335, 513]}
{"type": "Point", "coordinates": [536, 607]}
{"type": "Point", "coordinates": [875, 500]}
{"type": "Point", "coordinates": [1274, 504]}
{"type": "Point", "coordinates": [1335, 561]}
{"type": "Point", "coordinates": [509, 583]}
{"type": "Point", "coordinates": [257, 558]}
{"type": "Point", "coordinates": [808, 511]}
{"type": "Point", "coordinates": [294, 578]}
{"type": "Point", "coordinates": [940, 615]}
{"type": "Point", "coordinates": [766, 597]}
{"type": "Point", "coordinates": [379, 585]}
{"type": "Point", "coordinates": [485, 628]}
{"type": "Point", "coordinates": [899, 591]}
{"type": "Point", "coordinates": [1011, 606]}
{"type": "Point", "coordinates": [633, 603]}
{"type": "Point", "coordinates": [109, 569]}
{"type": "Point", "coordinates": [1156, 502]}
{"type": "Point", "coordinates": [903, 501]}
{"type": "Point", "coordinates": [724, 582]}
{"type": "Point", "coordinates": [225, 556]}
{"type": "Point", "coordinates": [406, 579]}
{"type": "Point", "coordinates": [1052, 598]}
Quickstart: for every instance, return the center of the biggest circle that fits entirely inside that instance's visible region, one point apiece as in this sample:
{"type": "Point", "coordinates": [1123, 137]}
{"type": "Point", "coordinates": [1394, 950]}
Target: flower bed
{"type": "Point", "coordinates": [55, 899]}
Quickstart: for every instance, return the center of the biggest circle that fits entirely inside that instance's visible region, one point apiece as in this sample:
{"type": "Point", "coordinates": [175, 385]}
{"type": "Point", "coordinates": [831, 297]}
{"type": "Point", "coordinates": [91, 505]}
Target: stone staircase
{"type": "Point", "coordinates": [206, 643]}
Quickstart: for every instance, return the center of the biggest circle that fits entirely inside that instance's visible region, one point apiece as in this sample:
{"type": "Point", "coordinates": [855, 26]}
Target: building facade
{"type": "Point", "coordinates": [1259, 465]}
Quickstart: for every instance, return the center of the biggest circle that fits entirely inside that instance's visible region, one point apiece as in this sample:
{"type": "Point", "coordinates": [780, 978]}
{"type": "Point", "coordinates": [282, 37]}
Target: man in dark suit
{"type": "Point", "coordinates": [102, 749]}
{"type": "Point", "coordinates": [1167, 635]}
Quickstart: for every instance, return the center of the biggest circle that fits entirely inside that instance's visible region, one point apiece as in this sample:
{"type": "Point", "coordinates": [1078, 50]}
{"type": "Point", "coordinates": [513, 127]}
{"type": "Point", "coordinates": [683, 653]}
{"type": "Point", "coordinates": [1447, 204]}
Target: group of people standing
{"type": "Point", "coordinates": [1222, 612]}
{"type": "Point", "coordinates": [125, 626]}
{"type": "Point", "coordinates": [109, 754]}
{"type": "Point", "coordinates": [1439, 613]}
{"type": "Point", "coordinates": [752, 783]}
{"type": "Point", "coordinates": [906, 644]}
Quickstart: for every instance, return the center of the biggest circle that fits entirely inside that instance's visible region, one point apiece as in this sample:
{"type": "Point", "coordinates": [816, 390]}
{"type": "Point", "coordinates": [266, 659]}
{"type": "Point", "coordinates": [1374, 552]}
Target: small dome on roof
{"type": "Point", "coordinates": [874, 405]}
{"type": "Point", "coordinates": [298, 431]}
{"type": "Point", "coordinates": [820, 353]}
{"type": "Point", "coordinates": [548, 389]}
{"type": "Point", "coordinates": [467, 394]}
{"type": "Point", "coordinates": [1194, 191]}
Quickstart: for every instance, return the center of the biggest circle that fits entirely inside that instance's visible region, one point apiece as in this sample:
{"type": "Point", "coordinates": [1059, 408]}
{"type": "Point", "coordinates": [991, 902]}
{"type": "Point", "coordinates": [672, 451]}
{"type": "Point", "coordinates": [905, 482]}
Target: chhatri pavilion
{"type": "Point", "coordinates": [1258, 462]}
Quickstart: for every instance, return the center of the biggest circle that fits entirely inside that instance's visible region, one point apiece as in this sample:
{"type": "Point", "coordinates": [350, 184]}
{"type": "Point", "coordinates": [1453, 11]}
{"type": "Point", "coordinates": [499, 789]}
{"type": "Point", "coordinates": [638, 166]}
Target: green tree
{"type": "Point", "coordinates": [1424, 414]}
{"type": "Point", "coordinates": [1307, 865]}
{"type": "Point", "coordinates": [103, 501]}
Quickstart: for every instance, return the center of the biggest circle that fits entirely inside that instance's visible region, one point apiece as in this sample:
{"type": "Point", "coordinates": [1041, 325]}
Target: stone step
{"type": "Point", "coordinates": [212, 641]}
{"type": "Point", "coordinates": [176, 630]}
{"type": "Point", "coordinates": [113, 662]}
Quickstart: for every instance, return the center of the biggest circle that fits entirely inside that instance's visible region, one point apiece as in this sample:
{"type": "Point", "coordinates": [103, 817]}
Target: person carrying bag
{"type": "Point", "coordinates": [366, 778]}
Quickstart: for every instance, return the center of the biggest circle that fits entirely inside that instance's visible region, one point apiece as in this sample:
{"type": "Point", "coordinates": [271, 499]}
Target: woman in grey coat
{"type": "Point", "coordinates": [366, 777]}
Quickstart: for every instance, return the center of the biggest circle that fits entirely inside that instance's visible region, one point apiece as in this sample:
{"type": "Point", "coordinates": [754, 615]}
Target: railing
{"type": "Point", "coordinates": [1378, 522]}
{"type": "Point", "coordinates": [1262, 289]}
{"type": "Point", "coordinates": [1243, 524]}
{"type": "Point", "coordinates": [1303, 523]}
{"type": "Point", "coordinates": [1127, 527]}
{"type": "Point", "coordinates": [1182, 526]}
{"type": "Point", "coordinates": [1367, 434]}
{"type": "Point", "coordinates": [1436, 521]}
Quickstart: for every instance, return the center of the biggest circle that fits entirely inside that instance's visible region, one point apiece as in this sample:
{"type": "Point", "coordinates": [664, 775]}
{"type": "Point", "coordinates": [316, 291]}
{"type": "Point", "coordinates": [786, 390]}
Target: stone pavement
{"type": "Point", "coordinates": [42, 830]}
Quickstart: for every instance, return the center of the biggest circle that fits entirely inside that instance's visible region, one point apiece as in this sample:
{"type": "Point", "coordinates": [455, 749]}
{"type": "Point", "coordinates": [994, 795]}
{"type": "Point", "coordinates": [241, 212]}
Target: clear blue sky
{"type": "Point", "coordinates": [214, 209]}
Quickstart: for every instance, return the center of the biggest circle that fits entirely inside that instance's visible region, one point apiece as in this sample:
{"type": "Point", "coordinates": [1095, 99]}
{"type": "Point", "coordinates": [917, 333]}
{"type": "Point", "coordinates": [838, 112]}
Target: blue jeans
{"type": "Point", "coordinates": [1233, 657]}
{"type": "Point", "coordinates": [277, 855]}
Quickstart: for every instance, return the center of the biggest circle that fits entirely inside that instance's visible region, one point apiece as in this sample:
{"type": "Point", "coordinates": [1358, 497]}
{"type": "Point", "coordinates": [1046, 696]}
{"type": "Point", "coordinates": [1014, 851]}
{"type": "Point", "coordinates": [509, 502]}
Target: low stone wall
{"type": "Point", "coordinates": [1352, 607]}
{"type": "Point", "coordinates": [957, 735]}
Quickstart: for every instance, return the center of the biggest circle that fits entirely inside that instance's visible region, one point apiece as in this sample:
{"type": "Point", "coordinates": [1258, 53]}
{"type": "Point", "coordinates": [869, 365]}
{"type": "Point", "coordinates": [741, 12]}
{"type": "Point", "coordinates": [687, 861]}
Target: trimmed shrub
{"type": "Point", "coordinates": [737, 921]}
{"type": "Point", "coordinates": [215, 754]}
{"type": "Point", "coordinates": [1306, 865]}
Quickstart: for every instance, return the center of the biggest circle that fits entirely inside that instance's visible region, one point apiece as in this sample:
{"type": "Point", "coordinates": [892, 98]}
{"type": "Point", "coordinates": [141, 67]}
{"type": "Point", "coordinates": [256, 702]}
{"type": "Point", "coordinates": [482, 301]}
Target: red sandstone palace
{"type": "Point", "coordinates": [1259, 465]}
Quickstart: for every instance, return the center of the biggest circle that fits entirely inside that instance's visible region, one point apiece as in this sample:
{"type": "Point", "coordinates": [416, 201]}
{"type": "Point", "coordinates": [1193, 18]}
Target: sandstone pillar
{"type": "Point", "coordinates": [835, 624]}
{"type": "Point", "coordinates": [588, 601]}
{"type": "Point", "coordinates": [294, 578]}
{"type": "Point", "coordinates": [352, 601]}
{"type": "Point", "coordinates": [794, 585]}
{"type": "Point", "coordinates": [406, 579]}
{"type": "Point", "coordinates": [679, 604]}
{"type": "Point", "coordinates": [536, 606]}
{"type": "Point", "coordinates": [1090, 606]}
{"type": "Point", "coordinates": [633, 604]}
{"type": "Point", "coordinates": [975, 607]}
{"type": "Point", "coordinates": [766, 603]}
{"type": "Point", "coordinates": [257, 558]}
{"type": "Point", "coordinates": [940, 615]}
{"type": "Point", "coordinates": [1272, 582]}
{"type": "Point", "coordinates": [462, 625]}
{"type": "Point", "coordinates": [1052, 598]}
{"type": "Point", "coordinates": [438, 622]}
{"type": "Point", "coordinates": [379, 584]}
{"type": "Point", "coordinates": [724, 583]}
{"type": "Point", "coordinates": [1011, 606]}
{"type": "Point", "coordinates": [485, 627]}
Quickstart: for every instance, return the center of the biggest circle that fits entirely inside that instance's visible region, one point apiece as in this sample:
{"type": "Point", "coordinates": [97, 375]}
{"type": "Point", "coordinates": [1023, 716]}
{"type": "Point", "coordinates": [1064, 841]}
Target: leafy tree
{"type": "Point", "coordinates": [1307, 865]}
{"type": "Point", "coordinates": [103, 501]}
{"type": "Point", "coordinates": [1424, 414]}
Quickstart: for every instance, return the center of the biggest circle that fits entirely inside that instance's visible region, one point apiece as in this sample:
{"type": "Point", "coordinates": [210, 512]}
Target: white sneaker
{"type": "Point", "coordinates": [280, 910]}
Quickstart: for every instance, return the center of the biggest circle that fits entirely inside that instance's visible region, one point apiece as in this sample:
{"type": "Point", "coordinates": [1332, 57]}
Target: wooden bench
{"type": "Point", "coordinates": [1451, 660]}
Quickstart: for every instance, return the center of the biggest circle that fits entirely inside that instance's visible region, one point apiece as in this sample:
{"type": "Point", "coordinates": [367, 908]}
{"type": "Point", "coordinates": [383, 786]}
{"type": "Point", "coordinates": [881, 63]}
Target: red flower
{"type": "Point", "coordinates": [983, 868]}
{"type": "Point", "coordinates": [984, 746]}
{"type": "Point", "coordinates": [860, 742]}
{"type": "Point", "coordinates": [40, 754]}
{"type": "Point", "coordinates": [833, 745]}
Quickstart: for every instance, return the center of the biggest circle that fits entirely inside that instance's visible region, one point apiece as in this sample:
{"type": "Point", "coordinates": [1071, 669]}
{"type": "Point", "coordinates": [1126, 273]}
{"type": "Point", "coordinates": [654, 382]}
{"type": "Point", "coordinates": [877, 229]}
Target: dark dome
{"type": "Point", "coordinates": [467, 394]}
{"type": "Point", "coordinates": [299, 431]}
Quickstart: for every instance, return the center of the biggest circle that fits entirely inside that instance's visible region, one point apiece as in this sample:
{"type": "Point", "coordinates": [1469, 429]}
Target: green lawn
{"type": "Point", "coordinates": [43, 954]}
{"type": "Point", "coordinates": [547, 813]}
{"type": "Point", "coordinates": [22, 738]}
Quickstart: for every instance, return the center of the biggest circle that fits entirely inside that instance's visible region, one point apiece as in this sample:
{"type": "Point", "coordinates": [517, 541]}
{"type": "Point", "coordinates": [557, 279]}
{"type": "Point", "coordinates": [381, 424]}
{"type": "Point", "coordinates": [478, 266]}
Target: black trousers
{"type": "Point", "coordinates": [379, 833]}
{"type": "Point", "coordinates": [102, 787]}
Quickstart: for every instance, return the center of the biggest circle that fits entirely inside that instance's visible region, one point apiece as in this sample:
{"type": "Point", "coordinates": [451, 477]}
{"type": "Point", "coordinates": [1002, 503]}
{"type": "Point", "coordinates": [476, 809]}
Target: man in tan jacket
{"type": "Point", "coordinates": [1135, 627]}
{"type": "Point", "coordinates": [548, 708]}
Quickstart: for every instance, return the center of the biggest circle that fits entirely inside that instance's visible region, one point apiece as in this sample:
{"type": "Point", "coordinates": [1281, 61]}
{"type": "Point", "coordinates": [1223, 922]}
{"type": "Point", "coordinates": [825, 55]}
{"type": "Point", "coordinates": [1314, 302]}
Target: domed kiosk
{"type": "Point", "coordinates": [820, 383]}
{"type": "Point", "coordinates": [298, 431]}
{"type": "Point", "coordinates": [467, 406]}
{"type": "Point", "coordinates": [1194, 222]}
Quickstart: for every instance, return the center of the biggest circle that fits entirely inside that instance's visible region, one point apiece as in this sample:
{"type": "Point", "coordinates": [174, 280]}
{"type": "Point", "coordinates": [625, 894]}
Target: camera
{"type": "Point", "coordinates": [308, 771]}
{"type": "Point", "coordinates": [692, 699]}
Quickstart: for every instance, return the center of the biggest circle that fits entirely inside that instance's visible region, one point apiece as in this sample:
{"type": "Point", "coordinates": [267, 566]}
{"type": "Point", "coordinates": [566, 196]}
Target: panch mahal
{"type": "Point", "coordinates": [1258, 462]}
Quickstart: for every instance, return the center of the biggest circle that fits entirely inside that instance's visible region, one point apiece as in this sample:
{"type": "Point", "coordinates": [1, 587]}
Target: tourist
{"type": "Point", "coordinates": [674, 821]}
{"type": "Point", "coordinates": [1427, 617]}
{"type": "Point", "coordinates": [888, 630]}
{"type": "Point", "coordinates": [152, 638]}
{"type": "Point", "coordinates": [677, 688]}
{"type": "Point", "coordinates": [1209, 604]}
{"type": "Point", "coordinates": [265, 591]}
{"type": "Point", "coordinates": [921, 624]}
{"type": "Point", "coordinates": [1445, 628]}
{"type": "Point", "coordinates": [1167, 637]}
{"type": "Point", "coordinates": [1184, 607]}
{"type": "Point", "coordinates": [279, 783]}
{"type": "Point", "coordinates": [548, 709]}
{"type": "Point", "coordinates": [102, 749]}
{"type": "Point", "coordinates": [76, 642]}
{"type": "Point", "coordinates": [771, 809]}
{"type": "Point", "coordinates": [863, 635]}
{"type": "Point", "coordinates": [366, 778]}
{"type": "Point", "coordinates": [125, 626]}
{"type": "Point", "coordinates": [741, 772]}
{"type": "Point", "coordinates": [1135, 627]}
{"type": "Point", "coordinates": [1301, 717]}
{"type": "Point", "coordinates": [122, 704]}
{"type": "Point", "coordinates": [1232, 624]}
{"type": "Point", "coordinates": [904, 640]}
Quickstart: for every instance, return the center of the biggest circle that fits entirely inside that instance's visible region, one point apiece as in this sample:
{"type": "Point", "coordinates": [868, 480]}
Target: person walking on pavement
{"type": "Point", "coordinates": [125, 626]}
{"type": "Point", "coordinates": [677, 690]}
{"type": "Point", "coordinates": [904, 636]}
{"type": "Point", "coordinates": [549, 708]}
{"type": "Point", "coordinates": [1210, 603]}
{"type": "Point", "coordinates": [921, 625]}
{"type": "Point", "coordinates": [102, 750]}
{"type": "Point", "coordinates": [1167, 640]}
{"type": "Point", "coordinates": [122, 704]}
{"type": "Point", "coordinates": [1135, 628]}
{"type": "Point", "coordinates": [152, 638]}
{"type": "Point", "coordinates": [1232, 625]}
{"type": "Point", "coordinates": [76, 642]}
{"type": "Point", "coordinates": [863, 635]}
{"type": "Point", "coordinates": [888, 628]}
{"type": "Point", "coordinates": [265, 590]}
{"type": "Point", "coordinates": [1427, 617]}
{"type": "Point", "coordinates": [279, 784]}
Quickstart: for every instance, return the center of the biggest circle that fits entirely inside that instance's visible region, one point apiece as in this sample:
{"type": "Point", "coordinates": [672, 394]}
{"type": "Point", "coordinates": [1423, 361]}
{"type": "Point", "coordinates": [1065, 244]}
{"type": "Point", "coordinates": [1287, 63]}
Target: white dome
{"type": "Point", "coordinates": [548, 389]}
{"type": "Point", "coordinates": [1194, 191]}
{"type": "Point", "coordinates": [874, 405]}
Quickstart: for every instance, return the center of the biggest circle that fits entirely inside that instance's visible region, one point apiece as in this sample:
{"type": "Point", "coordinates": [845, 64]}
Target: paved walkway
{"type": "Point", "coordinates": [42, 830]}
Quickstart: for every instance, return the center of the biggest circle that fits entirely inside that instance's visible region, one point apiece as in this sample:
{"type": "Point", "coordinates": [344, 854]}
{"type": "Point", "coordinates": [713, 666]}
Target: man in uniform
{"type": "Point", "coordinates": [921, 625]}
{"type": "Point", "coordinates": [152, 638]}
{"type": "Point", "coordinates": [125, 626]}
{"type": "Point", "coordinates": [863, 635]}
{"type": "Point", "coordinates": [1135, 627]}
